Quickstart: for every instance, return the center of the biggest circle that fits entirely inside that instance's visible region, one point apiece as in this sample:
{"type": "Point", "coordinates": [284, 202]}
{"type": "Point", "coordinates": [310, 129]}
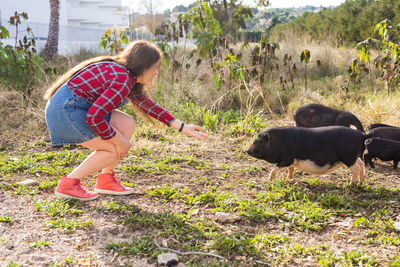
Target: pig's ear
{"type": "Point", "coordinates": [265, 137]}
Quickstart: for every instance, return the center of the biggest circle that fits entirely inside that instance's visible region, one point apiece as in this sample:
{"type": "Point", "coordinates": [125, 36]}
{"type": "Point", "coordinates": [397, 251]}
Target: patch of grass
{"type": "Point", "coordinates": [324, 256]}
{"type": "Point", "coordinates": [359, 258]}
{"type": "Point", "coordinates": [395, 262]}
{"type": "Point", "coordinates": [47, 163]}
{"type": "Point", "coordinates": [165, 192]}
{"type": "Point", "coordinates": [186, 233]}
{"type": "Point", "coordinates": [202, 199]}
{"type": "Point", "coordinates": [336, 201]}
{"type": "Point", "coordinates": [68, 225]}
{"type": "Point", "coordinates": [250, 126]}
{"type": "Point", "coordinates": [390, 240]}
{"type": "Point", "coordinates": [69, 260]}
{"type": "Point", "coordinates": [117, 207]}
{"type": "Point", "coordinates": [139, 246]}
{"type": "Point", "coordinates": [6, 219]}
{"type": "Point", "coordinates": [235, 245]}
{"type": "Point", "coordinates": [26, 190]}
{"type": "Point", "coordinates": [260, 212]}
{"type": "Point", "coordinates": [267, 242]}
{"type": "Point", "coordinates": [39, 244]}
{"type": "Point", "coordinates": [48, 184]}
{"type": "Point", "coordinates": [166, 164]}
{"type": "Point", "coordinates": [169, 225]}
{"type": "Point", "coordinates": [141, 152]}
{"type": "Point", "coordinates": [12, 264]}
{"type": "Point", "coordinates": [308, 215]}
{"type": "Point", "coordinates": [55, 207]}
{"type": "Point", "coordinates": [210, 119]}
{"type": "Point", "coordinates": [251, 170]}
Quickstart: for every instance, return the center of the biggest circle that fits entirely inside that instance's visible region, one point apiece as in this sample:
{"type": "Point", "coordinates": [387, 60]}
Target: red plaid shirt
{"type": "Point", "coordinates": [107, 85]}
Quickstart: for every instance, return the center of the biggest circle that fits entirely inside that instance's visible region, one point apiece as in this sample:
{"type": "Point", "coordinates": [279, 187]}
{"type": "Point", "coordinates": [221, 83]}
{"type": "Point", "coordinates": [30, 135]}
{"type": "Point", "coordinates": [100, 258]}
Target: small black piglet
{"type": "Point", "coordinates": [376, 125]}
{"type": "Point", "coordinates": [316, 115]}
{"type": "Point", "coordinates": [383, 149]}
{"type": "Point", "coordinates": [392, 133]}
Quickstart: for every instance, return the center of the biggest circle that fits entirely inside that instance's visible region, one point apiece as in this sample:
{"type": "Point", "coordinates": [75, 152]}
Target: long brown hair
{"type": "Point", "coordinates": [136, 57]}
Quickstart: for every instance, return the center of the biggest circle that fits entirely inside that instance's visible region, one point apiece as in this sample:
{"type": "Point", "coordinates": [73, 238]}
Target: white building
{"type": "Point", "coordinates": [81, 21]}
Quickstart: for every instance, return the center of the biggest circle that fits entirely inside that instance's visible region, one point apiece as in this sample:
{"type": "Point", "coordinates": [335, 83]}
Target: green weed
{"type": "Point", "coordinates": [117, 207]}
{"type": "Point", "coordinates": [55, 208]}
{"type": "Point", "coordinates": [139, 246]}
{"type": "Point", "coordinates": [6, 219]}
{"type": "Point", "coordinates": [68, 225]}
{"type": "Point", "coordinates": [165, 192]}
{"type": "Point", "coordinates": [39, 244]}
{"type": "Point", "coordinates": [166, 165]}
{"type": "Point", "coordinates": [12, 264]}
{"type": "Point", "coordinates": [47, 163]}
{"type": "Point", "coordinates": [250, 126]}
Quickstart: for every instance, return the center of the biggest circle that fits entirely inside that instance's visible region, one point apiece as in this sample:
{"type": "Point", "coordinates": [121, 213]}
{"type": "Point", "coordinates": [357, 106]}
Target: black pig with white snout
{"type": "Point", "coordinates": [315, 150]}
{"type": "Point", "coordinates": [383, 149]}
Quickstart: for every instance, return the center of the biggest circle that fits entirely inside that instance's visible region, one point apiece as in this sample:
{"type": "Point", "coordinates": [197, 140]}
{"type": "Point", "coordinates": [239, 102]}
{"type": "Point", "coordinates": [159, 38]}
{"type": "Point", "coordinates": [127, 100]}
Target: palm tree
{"type": "Point", "coordinates": [51, 48]}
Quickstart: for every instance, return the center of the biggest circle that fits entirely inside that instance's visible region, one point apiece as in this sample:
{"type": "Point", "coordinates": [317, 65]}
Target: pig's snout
{"type": "Point", "coordinates": [252, 151]}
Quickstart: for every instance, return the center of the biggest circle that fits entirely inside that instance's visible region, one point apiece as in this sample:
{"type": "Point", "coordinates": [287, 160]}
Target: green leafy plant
{"type": "Point", "coordinates": [113, 40]}
{"type": "Point", "coordinates": [139, 246]}
{"type": "Point", "coordinates": [205, 29]}
{"type": "Point", "coordinates": [6, 219]}
{"type": "Point", "coordinates": [19, 62]}
{"type": "Point", "coordinates": [39, 244]}
{"type": "Point", "coordinates": [364, 54]}
{"type": "Point", "coordinates": [68, 225]}
{"type": "Point", "coordinates": [389, 63]}
{"type": "Point", "coordinates": [55, 208]}
{"type": "Point", "coordinates": [305, 57]}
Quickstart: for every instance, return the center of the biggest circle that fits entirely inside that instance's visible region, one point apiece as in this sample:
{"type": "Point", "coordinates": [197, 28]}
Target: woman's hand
{"type": "Point", "coordinates": [193, 130]}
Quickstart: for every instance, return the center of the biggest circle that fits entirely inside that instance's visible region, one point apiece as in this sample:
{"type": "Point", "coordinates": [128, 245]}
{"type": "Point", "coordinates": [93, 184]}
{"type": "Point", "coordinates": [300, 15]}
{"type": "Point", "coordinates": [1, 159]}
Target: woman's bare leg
{"type": "Point", "coordinates": [123, 123]}
{"type": "Point", "coordinates": [105, 155]}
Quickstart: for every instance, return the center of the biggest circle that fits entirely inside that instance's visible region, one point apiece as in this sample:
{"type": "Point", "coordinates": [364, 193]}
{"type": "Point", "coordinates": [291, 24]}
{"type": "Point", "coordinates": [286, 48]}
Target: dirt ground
{"type": "Point", "coordinates": [224, 168]}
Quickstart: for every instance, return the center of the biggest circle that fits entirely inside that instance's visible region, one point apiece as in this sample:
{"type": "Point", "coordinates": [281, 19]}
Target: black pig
{"type": "Point", "coordinates": [316, 115]}
{"type": "Point", "coordinates": [376, 125]}
{"type": "Point", "coordinates": [314, 150]}
{"type": "Point", "coordinates": [392, 133]}
{"type": "Point", "coordinates": [383, 149]}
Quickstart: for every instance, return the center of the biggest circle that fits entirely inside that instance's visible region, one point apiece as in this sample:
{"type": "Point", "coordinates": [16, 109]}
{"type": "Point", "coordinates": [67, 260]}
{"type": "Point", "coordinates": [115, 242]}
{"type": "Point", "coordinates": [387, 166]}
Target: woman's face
{"type": "Point", "coordinates": [147, 76]}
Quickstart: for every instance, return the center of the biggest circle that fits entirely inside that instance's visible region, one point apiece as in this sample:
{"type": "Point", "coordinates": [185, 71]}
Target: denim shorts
{"type": "Point", "coordinates": [66, 117]}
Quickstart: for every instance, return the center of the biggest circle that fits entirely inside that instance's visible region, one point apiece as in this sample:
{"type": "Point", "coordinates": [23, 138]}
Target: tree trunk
{"type": "Point", "coordinates": [51, 48]}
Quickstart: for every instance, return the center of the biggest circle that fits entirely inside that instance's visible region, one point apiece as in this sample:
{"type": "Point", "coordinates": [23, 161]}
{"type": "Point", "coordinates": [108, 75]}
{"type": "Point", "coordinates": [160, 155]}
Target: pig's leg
{"type": "Point", "coordinates": [356, 169]}
{"type": "Point", "coordinates": [362, 169]}
{"type": "Point", "coordinates": [396, 160]}
{"type": "Point", "coordinates": [274, 172]}
{"type": "Point", "coordinates": [368, 160]}
{"type": "Point", "coordinates": [290, 172]}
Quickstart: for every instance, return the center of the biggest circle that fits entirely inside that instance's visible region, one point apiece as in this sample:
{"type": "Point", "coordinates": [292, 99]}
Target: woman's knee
{"type": "Point", "coordinates": [98, 144]}
{"type": "Point", "coordinates": [130, 127]}
{"type": "Point", "coordinates": [123, 123]}
{"type": "Point", "coordinates": [112, 155]}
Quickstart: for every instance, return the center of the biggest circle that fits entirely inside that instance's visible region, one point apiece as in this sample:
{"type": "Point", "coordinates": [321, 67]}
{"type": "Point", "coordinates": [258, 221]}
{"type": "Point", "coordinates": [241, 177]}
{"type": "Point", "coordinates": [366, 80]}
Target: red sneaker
{"type": "Point", "coordinates": [72, 188]}
{"type": "Point", "coordinates": [108, 184]}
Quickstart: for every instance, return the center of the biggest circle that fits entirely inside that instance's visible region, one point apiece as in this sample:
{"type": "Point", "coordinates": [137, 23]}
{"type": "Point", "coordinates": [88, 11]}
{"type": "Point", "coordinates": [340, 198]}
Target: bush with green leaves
{"type": "Point", "coordinates": [20, 62]}
{"type": "Point", "coordinates": [113, 40]}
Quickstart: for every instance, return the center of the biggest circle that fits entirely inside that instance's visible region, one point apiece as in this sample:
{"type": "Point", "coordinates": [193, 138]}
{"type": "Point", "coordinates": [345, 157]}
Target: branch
{"type": "Point", "coordinates": [372, 107]}
{"type": "Point", "coordinates": [6, 184]}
